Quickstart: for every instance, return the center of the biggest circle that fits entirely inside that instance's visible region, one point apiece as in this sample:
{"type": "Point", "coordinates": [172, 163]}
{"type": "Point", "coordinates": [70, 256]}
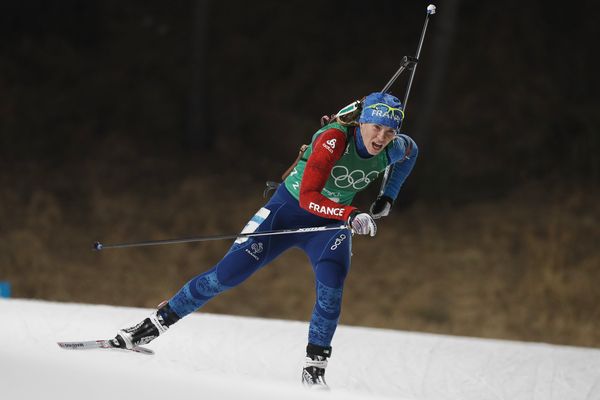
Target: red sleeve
{"type": "Point", "coordinates": [327, 150]}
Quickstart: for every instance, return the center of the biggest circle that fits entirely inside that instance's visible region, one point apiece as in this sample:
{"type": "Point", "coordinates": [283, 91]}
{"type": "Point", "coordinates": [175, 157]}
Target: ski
{"type": "Point", "coordinates": [100, 344]}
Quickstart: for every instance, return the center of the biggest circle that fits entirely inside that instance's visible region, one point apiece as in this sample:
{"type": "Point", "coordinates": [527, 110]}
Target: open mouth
{"type": "Point", "coordinates": [376, 146]}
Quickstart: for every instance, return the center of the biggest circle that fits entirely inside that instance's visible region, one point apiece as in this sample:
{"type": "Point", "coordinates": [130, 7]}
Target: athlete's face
{"type": "Point", "coordinates": [376, 137]}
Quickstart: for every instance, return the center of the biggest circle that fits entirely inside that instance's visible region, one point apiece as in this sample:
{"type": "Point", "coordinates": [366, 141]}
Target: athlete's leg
{"type": "Point", "coordinates": [245, 257]}
{"type": "Point", "coordinates": [330, 256]}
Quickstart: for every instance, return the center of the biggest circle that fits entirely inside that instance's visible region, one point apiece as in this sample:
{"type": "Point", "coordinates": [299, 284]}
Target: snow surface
{"type": "Point", "coordinates": [209, 356]}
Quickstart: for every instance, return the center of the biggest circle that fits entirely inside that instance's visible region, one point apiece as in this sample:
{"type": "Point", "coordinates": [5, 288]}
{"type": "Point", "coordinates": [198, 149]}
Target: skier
{"type": "Point", "coordinates": [344, 156]}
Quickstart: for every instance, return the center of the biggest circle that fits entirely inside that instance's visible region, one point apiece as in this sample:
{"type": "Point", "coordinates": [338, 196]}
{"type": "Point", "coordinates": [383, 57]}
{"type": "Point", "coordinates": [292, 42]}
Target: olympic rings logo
{"type": "Point", "coordinates": [357, 178]}
{"type": "Point", "coordinates": [338, 241]}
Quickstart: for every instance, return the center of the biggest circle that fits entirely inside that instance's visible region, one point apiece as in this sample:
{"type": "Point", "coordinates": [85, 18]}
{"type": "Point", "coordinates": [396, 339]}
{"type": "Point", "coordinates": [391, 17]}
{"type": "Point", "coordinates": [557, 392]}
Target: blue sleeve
{"type": "Point", "coordinates": [402, 159]}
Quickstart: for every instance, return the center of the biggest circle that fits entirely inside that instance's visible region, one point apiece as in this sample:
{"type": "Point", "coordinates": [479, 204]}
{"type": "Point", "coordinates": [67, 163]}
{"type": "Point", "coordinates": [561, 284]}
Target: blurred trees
{"type": "Point", "coordinates": [517, 102]}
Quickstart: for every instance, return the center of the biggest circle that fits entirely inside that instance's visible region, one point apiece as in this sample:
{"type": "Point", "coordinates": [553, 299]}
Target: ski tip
{"type": "Point", "coordinates": [70, 346]}
{"type": "Point", "coordinates": [143, 350]}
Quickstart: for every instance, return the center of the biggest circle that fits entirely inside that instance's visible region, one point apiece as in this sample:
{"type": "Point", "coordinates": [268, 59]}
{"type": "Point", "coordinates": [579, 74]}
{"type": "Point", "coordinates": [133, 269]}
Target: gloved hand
{"type": "Point", "coordinates": [362, 223]}
{"type": "Point", "coordinates": [381, 207]}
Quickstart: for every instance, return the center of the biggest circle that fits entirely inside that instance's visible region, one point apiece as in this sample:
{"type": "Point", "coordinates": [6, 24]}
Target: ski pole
{"type": "Point", "coordinates": [99, 246]}
{"type": "Point", "coordinates": [430, 11]}
{"type": "Point", "coordinates": [407, 62]}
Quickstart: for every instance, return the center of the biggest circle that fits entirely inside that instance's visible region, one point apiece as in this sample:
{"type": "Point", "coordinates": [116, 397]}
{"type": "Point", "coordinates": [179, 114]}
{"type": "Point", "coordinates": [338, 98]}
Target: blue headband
{"type": "Point", "coordinates": [382, 109]}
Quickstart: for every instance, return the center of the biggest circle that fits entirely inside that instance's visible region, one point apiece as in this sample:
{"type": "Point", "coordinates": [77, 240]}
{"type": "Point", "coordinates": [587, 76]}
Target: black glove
{"type": "Point", "coordinates": [381, 207]}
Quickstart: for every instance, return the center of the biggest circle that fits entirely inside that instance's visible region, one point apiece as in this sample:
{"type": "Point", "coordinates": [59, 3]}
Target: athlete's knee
{"type": "Point", "coordinates": [207, 285]}
{"type": "Point", "coordinates": [329, 301]}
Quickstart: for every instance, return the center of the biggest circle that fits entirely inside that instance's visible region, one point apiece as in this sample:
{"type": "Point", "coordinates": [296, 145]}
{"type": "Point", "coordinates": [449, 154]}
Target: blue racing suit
{"type": "Point", "coordinates": [328, 251]}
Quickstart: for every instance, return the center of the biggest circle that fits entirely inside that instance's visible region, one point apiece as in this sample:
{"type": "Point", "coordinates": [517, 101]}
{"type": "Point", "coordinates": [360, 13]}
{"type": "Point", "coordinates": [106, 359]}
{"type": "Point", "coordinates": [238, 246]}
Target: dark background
{"type": "Point", "coordinates": [140, 120]}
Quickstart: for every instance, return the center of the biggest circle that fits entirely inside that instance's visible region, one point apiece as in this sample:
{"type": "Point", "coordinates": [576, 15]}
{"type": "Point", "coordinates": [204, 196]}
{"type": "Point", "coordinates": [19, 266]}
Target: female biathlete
{"type": "Point", "coordinates": [343, 158]}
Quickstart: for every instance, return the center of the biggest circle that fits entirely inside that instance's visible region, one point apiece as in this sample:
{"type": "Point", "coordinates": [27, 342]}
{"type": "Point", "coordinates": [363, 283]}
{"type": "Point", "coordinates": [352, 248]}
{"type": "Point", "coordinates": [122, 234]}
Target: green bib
{"type": "Point", "coordinates": [349, 175]}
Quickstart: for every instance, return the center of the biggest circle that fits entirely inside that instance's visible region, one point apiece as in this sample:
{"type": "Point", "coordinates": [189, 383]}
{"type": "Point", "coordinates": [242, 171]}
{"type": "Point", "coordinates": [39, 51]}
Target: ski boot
{"type": "Point", "coordinates": [313, 373]}
{"type": "Point", "coordinates": [147, 330]}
